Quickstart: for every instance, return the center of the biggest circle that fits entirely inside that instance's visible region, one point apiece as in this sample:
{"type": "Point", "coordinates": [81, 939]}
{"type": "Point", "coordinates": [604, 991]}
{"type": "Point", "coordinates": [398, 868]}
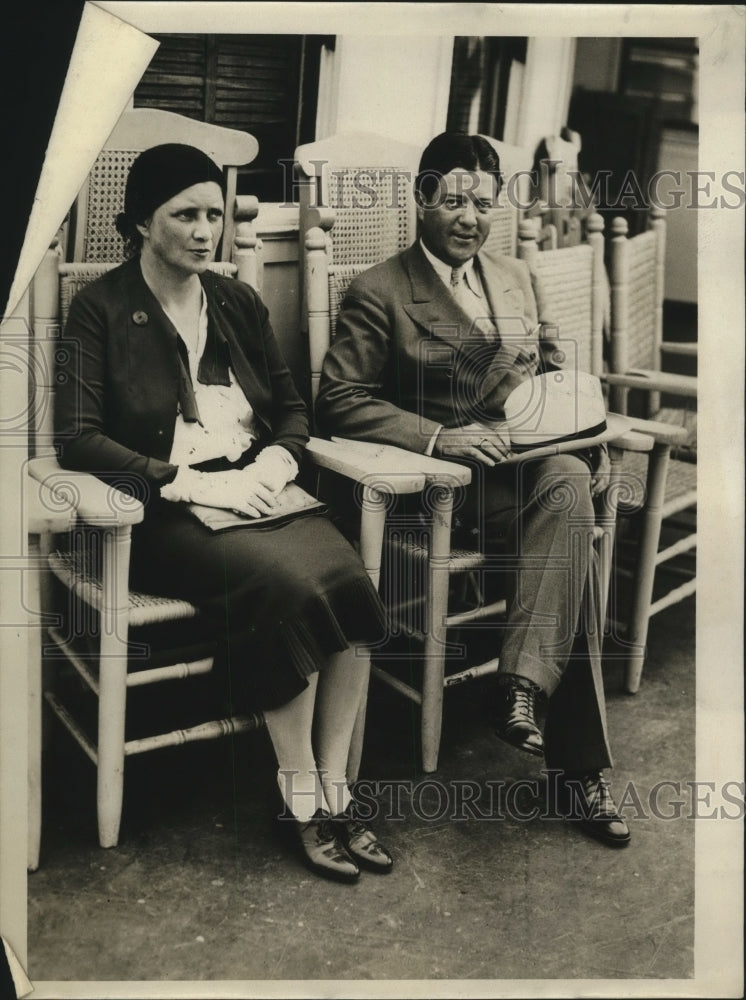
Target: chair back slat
{"type": "Point", "coordinates": [575, 287]}
{"type": "Point", "coordinates": [642, 292]}
{"type": "Point", "coordinates": [566, 277]}
{"type": "Point", "coordinates": [339, 281]}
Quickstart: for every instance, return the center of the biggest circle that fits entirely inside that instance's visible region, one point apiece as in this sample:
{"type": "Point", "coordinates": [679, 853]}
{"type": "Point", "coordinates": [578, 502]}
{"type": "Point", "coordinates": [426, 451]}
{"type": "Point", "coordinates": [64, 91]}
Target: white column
{"type": "Point", "coordinates": [395, 86]}
{"type": "Point", "coordinates": [546, 85]}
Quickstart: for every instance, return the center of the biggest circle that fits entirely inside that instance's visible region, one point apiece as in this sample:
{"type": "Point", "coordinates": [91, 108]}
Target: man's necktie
{"type": "Point", "coordinates": [457, 284]}
{"type": "Point", "coordinates": [472, 306]}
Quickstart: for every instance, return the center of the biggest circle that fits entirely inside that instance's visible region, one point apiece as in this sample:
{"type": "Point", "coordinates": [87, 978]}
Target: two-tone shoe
{"type": "Point", "coordinates": [360, 841]}
{"type": "Point", "coordinates": [320, 849]}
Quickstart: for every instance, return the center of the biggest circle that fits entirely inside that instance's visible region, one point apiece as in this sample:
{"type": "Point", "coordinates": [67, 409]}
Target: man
{"type": "Point", "coordinates": [429, 345]}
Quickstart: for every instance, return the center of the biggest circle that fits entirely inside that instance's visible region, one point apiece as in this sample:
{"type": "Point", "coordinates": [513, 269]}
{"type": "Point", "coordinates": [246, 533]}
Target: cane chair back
{"type": "Point", "coordinates": [664, 485]}
{"type": "Point", "coordinates": [515, 167]}
{"type": "Point", "coordinates": [361, 183]}
{"type": "Point", "coordinates": [565, 276]}
{"type": "Point", "coordinates": [432, 573]}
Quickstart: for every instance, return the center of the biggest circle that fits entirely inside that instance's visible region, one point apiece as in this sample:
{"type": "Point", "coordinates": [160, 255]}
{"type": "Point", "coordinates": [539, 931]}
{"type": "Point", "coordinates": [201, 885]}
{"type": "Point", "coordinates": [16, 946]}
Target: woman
{"type": "Point", "coordinates": [177, 391]}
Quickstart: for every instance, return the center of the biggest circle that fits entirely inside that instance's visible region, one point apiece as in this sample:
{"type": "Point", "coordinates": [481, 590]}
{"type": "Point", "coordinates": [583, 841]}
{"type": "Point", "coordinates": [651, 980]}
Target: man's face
{"type": "Point", "coordinates": [456, 221]}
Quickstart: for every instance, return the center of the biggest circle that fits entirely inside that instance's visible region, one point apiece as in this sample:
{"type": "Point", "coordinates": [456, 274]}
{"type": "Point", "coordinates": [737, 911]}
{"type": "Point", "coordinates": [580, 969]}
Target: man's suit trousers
{"type": "Point", "coordinates": [536, 522]}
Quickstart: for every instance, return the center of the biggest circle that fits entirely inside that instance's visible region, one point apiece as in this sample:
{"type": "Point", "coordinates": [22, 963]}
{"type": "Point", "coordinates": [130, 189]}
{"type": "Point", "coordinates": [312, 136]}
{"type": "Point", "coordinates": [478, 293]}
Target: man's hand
{"type": "Point", "coordinates": [486, 445]}
{"type": "Point", "coordinates": [602, 473]}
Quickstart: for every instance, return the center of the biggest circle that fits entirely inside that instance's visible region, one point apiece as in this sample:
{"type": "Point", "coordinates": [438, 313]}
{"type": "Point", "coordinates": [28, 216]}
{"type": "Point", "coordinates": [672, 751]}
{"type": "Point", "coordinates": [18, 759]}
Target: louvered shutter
{"type": "Point", "coordinates": [249, 82]}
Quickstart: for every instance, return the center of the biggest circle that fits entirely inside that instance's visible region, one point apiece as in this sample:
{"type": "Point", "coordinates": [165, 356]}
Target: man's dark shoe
{"type": "Point", "coordinates": [587, 800]}
{"type": "Point", "coordinates": [516, 721]}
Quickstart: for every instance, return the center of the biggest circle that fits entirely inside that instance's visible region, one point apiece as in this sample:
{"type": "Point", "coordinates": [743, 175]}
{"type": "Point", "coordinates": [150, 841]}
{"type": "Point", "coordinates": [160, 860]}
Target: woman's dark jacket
{"type": "Point", "coordinates": [120, 380]}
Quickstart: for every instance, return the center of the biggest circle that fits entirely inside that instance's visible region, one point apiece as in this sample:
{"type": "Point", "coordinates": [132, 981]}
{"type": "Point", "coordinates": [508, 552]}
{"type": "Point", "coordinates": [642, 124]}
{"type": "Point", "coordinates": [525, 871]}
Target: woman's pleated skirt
{"type": "Point", "coordinates": [278, 599]}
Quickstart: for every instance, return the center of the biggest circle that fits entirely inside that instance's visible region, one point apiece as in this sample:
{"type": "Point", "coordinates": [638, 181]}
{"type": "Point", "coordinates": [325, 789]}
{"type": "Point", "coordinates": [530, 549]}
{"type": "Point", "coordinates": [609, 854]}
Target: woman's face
{"type": "Point", "coordinates": [182, 234]}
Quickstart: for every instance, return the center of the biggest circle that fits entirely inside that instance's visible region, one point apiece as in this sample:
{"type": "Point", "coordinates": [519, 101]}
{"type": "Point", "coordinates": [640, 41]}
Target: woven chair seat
{"type": "Point", "coordinates": [144, 609]}
{"type": "Point", "coordinates": [460, 559]}
{"type": "Point", "coordinates": [681, 482]}
{"type": "Point", "coordinates": [687, 450]}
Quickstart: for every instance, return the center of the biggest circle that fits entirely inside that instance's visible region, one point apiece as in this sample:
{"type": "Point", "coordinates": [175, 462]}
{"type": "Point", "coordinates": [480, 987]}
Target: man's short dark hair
{"type": "Point", "coordinates": [450, 151]}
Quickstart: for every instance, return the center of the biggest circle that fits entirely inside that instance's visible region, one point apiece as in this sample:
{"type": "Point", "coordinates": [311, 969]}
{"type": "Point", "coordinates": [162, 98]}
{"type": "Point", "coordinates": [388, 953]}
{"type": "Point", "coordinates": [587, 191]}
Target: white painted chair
{"type": "Point", "coordinates": [666, 493]}
{"type": "Point", "coordinates": [100, 588]}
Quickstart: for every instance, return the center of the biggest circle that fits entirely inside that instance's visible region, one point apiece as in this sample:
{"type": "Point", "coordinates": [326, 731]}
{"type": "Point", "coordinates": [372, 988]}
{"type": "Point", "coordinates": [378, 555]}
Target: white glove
{"type": "Point", "coordinates": [242, 490]}
{"type": "Point", "coordinates": [275, 467]}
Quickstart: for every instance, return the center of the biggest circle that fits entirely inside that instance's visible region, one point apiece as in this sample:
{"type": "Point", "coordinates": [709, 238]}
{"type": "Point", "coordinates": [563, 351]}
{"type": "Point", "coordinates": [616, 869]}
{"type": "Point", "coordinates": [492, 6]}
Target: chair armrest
{"type": "Point", "coordinates": [346, 460]}
{"type": "Point", "coordinates": [679, 347]}
{"type": "Point", "coordinates": [653, 381]}
{"type": "Point", "coordinates": [672, 434]}
{"type": "Point", "coordinates": [436, 471]}
{"type": "Point", "coordinates": [94, 501]}
{"type": "Point", "coordinates": [633, 441]}
{"type": "Point", "coordinates": [45, 512]}
{"type": "Point", "coordinates": [394, 470]}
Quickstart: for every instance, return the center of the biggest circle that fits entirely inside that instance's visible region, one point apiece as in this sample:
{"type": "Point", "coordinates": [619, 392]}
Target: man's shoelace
{"type": "Point", "coordinates": [598, 795]}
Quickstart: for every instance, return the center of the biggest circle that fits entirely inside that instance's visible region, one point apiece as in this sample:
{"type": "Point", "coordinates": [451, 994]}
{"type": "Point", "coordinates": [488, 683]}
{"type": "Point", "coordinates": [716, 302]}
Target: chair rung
{"type": "Point", "coordinates": [674, 596]}
{"type": "Point", "coordinates": [205, 731]}
{"type": "Point", "coordinates": [482, 670]}
{"type": "Point", "coordinates": [71, 725]}
{"type": "Point", "coordinates": [477, 614]}
{"type": "Point", "coordinates": [683, 545]}
{"type": "Point", "coordinates": [406, 689]}
{"type": "Point", "coordinates": [78, 662]}
{"type": "Point", "coordinates": [677, 504]}
{"type": "Point", "coordinates": [459, 561]}
{"type": "Point", "coordinates": [137, 678]}
{"type": "Point", "coordinates": [176, 671]}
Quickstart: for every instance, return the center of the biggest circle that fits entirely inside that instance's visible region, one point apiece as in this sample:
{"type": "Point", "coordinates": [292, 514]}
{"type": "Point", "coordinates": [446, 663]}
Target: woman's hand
{"type": "Point", "coordinates": [486, 445]}
{"type": "Point", "coordinates": [241, 490]}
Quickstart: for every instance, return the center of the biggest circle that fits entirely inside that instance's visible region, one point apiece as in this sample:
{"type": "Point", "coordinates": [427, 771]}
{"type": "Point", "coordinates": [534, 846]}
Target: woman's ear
{"type": "Point", "coordinates": [143, 228]}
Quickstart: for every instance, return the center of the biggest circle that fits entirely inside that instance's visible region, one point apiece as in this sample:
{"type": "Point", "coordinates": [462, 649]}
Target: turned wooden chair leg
{"type": "Point", "coordinates": [112, 695]}
{"type": "Point", "coordinates": [637, 632]}
{"type": "Point", "coordinates": [435, 639]}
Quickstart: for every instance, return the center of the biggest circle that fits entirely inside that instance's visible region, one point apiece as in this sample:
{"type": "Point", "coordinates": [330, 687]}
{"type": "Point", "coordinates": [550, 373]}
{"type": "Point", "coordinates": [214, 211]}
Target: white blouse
{"type": "Point", "coordinates": [227, 427]}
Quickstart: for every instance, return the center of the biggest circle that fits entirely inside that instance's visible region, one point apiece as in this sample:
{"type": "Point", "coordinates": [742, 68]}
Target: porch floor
{"type": "Point", "coordinates": [199, 887]}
